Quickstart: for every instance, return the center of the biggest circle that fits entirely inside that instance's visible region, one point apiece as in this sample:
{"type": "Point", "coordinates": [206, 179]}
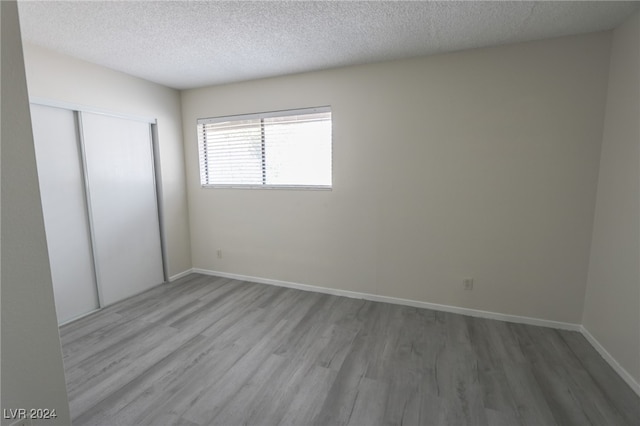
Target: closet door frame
{"type": "Point", "coordinates": [77, 110]}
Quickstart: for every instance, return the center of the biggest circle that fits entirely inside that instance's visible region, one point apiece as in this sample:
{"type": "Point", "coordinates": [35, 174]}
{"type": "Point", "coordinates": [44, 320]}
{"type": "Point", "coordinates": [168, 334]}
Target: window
{"type": "Point", "coordinates": [281, 149]}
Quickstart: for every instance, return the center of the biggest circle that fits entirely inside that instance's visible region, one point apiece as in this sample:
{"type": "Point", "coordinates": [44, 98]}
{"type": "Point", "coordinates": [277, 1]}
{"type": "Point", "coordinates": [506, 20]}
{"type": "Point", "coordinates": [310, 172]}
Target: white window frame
{"type": "Point", "coordinates": [202, 149]}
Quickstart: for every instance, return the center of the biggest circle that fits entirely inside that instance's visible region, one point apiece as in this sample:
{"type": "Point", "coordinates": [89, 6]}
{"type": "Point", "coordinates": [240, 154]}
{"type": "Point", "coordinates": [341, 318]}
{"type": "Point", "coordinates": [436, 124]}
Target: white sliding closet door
{"type": "Point", "coordinates": [66, 223]}
{"type": "Point", "coordinates": [122, 205]}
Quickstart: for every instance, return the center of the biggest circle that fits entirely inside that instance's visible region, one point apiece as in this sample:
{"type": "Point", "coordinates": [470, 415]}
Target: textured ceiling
{"type": "Point", "coordinates": [192, 44]}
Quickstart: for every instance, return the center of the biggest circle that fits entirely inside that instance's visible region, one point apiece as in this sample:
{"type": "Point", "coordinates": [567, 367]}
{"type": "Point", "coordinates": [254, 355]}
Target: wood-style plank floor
{"type": "Point", "coordinates": [213, 351]}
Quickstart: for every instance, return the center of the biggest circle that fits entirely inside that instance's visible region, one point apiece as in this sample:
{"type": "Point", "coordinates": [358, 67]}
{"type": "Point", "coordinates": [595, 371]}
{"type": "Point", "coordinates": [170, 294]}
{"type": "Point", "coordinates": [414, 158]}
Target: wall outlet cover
{"type": "Point", "coordinates": [467, 284]}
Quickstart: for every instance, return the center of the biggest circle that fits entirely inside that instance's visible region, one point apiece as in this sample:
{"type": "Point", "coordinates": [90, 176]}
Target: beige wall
{"type": "Point", "coordinates": [612, 307]}
{"type": "Point", "coordinates": [32, 372]}
{"type": "Point", "coordinates": [475, 164]}
{"type": "Point", "coordinates": [58, 77]}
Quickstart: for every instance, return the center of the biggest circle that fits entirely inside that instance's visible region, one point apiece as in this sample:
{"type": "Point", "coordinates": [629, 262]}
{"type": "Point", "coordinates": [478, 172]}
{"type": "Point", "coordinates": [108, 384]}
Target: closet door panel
{"type": "Point", "coordinates": [64, 209]}
{"type": "Point", "coordinates": [123, 205]}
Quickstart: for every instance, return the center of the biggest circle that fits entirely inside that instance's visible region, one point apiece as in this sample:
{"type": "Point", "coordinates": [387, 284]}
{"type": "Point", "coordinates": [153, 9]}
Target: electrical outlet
{"type": "Point", "coordinates": [467, 284]}
{"type": "Point", "coordinates": [219, 253]}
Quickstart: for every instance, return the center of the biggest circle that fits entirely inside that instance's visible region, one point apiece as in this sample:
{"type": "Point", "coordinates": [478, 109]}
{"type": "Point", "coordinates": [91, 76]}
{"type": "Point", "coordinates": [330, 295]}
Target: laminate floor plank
{"type": "Point", "coordinates": [233, 320]}
{"type": "Point", "coordinates": [403, 399]}
{"type": "Point", "coordinates": [309, 328]}
{"type": "Point", "coordinates": [270, 407]}
{"type": "Point", "coordinates": [221, 297]}
{"type": "Point", "coordinates": [280, 324]}
{"type": "Point", "coordinates": [531, 403]}
{"type": "Point", "coordinates": [179, 393]}
{"type": "Point", "coordinates": [86, 395]}
{"type": "Point", "coordinates": [599, 410]}
{"type": "Point", "coordinates": [308, 398]}
{"type": "Point", "coordinates": [342, 328]}
{"type": "Point", "coordinates": [86, 325]}
{"type": "Point", "coordinates": [551, 376]}
{"type": "Point", "coordinates": [217, 351]}
{"type": "Point", "coordinates": [242, 404]}
{"type": "Point", "coordinates": [612, 386]}
{"type": "Point", "coordinates": [433, 410]}
{"type": "Point", "coordinates": [120, 332]}
{"type": "Point", "coordinates": [207, 403]}
{"type": "Point", "coordinates": [176, 304]}
{"type": "Point", "coordinates": [144, 390]}
{"type": "Point", "coordinates": [370, 403]}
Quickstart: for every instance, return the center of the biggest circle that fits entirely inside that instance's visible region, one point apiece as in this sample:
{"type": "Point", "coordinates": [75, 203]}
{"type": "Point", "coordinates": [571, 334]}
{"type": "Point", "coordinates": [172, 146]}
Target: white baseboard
{"type": "Point", "coordinates": [397, 301]}
{"type": "Point", "coordinates": [76, 318]}
{"type": "Point", "coordinates": [180, 275]}
{"type": "Point", "coordinates": [611, 361]}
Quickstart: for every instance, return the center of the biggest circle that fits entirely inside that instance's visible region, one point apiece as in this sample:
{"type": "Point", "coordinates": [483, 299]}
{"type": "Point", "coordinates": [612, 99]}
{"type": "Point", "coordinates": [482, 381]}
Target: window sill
{"type": "Point", "coordinates": [270, 187]}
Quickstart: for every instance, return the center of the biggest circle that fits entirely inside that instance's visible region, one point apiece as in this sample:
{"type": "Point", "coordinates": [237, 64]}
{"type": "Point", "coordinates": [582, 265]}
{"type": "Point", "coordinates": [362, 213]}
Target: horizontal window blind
{"type": "Point", "coordinates": [274, 149]}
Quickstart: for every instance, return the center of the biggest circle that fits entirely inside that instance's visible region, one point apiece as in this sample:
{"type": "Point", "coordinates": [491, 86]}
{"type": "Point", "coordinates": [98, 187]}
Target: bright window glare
{"type": "Point", "coordinates": [298, 154]}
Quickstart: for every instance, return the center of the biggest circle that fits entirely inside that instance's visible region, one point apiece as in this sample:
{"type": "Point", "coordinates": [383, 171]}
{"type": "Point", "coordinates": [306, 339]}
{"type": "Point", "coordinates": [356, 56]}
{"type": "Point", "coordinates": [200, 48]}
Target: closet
{"type": "Point", "coordinates": [100, 208]}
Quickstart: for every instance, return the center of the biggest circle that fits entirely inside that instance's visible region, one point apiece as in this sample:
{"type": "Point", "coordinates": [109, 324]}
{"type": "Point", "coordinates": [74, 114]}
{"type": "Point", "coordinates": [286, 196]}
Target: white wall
{"type": "Point", "coordinates": [612, 307]}
{"type": "Point", "coordinates": [58, 77]}
{"type": "Point", "coordinates": [476, 164]}
{"type": "Point", "coordinates": [32, 372]}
